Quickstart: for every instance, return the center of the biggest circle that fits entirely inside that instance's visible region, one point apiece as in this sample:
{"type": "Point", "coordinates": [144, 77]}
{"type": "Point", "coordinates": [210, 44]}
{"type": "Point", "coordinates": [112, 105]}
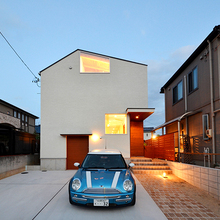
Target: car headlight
{"type": "Point", "coordinates": [127, 185]}
{"type": "Point", "coordinates": [76, 184]}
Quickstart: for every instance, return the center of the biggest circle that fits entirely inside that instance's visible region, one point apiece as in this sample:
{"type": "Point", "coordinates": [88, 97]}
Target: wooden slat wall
{"type": "Point", "coordinates": [162, 147]}
{"type": "Point", "coordinates": [136, 139]}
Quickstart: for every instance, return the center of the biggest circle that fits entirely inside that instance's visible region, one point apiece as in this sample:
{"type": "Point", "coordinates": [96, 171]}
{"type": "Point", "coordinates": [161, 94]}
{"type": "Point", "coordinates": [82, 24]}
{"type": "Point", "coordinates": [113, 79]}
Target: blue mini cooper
{"type": "Point", "coordinates": [103, 179]}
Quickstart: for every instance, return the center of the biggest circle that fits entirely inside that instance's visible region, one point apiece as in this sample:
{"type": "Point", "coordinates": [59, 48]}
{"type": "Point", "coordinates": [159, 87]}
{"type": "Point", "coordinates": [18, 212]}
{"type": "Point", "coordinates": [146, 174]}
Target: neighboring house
{"type": "Point", "coordinates": [147, 133]}
{"type": "Point", "coordinates": [90, 101]}
{"type": "Point", "coordinates": [192, 103]}
{"type": "Point", "coordinates": [17, 129]}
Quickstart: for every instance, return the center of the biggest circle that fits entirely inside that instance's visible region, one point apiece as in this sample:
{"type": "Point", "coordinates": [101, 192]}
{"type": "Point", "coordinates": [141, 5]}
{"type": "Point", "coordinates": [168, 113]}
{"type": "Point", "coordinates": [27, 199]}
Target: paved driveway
{"type": "Point", "coordinates": [44, 195]}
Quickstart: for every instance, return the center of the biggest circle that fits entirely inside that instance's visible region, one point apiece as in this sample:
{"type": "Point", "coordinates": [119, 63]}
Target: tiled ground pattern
{"type": "Point", "coordinates": [172, 200]}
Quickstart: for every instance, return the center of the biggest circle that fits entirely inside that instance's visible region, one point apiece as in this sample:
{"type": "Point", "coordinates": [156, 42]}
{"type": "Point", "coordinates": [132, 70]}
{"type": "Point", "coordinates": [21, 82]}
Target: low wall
{"type": "Point", "coordinates": [11, 165]}
{"type": "Point", "coordinates": [207, 179]}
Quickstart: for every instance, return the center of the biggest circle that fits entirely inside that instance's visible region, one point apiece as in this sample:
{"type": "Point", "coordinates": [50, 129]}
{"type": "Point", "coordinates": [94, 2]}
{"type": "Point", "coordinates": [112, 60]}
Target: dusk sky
{"type": "Point", "coordinates": [159, 33]}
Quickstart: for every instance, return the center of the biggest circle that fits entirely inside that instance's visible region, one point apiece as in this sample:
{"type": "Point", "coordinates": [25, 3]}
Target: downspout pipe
{"type": "Point", "coordinates": [186, 103]}
{"type": "Point", "coordinates": [212, 101]}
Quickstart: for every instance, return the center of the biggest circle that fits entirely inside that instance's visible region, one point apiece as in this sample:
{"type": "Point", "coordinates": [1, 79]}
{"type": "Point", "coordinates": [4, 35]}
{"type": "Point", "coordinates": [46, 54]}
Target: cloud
{"type": "Point", "coordinates": [159, 72]}
{"type": "Point", "coordinates": [143, 32]}
{"type": "Point", "coordinates": [9, 20]}
{"type": "Point", "coordinates": [126, 14]}
{"type": "Point", "coordinates": [183, 52]}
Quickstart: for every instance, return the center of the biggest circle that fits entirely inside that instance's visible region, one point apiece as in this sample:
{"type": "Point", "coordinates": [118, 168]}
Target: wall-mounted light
{"type": "Point", "coordinates": [154, 136]}
{"type": "Point", "coordinates": [95, 137]}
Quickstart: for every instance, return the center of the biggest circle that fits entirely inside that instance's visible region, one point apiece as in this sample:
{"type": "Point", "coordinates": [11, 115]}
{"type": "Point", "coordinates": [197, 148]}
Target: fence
{"type": "Point", "coordinates": [162, 147]}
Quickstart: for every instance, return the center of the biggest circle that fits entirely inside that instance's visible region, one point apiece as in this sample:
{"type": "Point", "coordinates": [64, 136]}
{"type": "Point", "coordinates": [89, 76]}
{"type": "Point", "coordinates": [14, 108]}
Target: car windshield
{"type": "Point", "coordinates": [107, 161]}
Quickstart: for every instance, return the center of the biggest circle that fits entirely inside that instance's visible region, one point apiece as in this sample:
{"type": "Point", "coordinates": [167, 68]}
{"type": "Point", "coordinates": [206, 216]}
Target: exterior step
{"type": "Point", "coordinates": [140, 159]}
{"type": "Point", "coordinates": [149, 166]}
{"type": "Point", "coordinates": [150, 163]}
{"type": "Point", "coordinates": [155, 172]}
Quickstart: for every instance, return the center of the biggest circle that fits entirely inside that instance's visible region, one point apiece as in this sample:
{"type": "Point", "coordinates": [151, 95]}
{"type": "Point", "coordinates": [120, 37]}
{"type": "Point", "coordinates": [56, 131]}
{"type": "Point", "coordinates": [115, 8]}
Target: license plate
{"type": "Point", "coordinates": [101, 202]}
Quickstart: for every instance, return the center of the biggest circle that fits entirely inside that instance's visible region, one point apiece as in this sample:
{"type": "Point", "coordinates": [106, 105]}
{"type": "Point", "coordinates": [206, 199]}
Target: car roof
{"type": "Point", "coordinates": [105, 151]}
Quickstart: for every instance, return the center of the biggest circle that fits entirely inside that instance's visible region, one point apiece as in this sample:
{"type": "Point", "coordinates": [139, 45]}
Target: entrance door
{"type": "Point", "coordinates": [136, 139]}
{"type": "Point", "coordinates": [77, 149]}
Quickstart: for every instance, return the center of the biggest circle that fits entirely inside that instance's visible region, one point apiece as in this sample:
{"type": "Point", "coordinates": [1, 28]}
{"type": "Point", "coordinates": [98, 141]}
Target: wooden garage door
{"type": "Point", "coordinates": [77, 149]}
{"type": "Point", "coordinates": [136, 139]}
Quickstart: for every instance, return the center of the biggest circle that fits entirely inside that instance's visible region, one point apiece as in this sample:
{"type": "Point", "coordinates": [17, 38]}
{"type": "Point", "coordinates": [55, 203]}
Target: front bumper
{"type": "Point", "coordinates": [115, 199]}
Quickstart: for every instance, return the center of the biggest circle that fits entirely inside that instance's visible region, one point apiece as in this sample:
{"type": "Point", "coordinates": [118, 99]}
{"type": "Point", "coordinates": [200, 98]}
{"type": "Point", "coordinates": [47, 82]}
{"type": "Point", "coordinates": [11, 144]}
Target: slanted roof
{"type": "Point", "coordinates": [148, 129]}
{"type": "Point", "coordinates": [200, 48]}
{"type": "Point", "coordinates": [84, 51]}
{"type": "Point", "coordinates": [17, 109]}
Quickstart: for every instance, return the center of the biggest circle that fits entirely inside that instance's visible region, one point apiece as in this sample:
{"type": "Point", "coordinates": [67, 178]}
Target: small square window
{"type": "Point", "coordinates": [116, 124]}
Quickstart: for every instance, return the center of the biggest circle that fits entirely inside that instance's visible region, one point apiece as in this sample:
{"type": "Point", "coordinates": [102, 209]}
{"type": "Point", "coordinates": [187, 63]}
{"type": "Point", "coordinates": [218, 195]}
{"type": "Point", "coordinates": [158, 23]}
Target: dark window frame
{"type": "Point", "coordinates": [176, 92]}
{"type": "Point", "coordinates": [192, 80]}
{"type": "Point", "coordinates": [205, 125]}
{"type": "Point", "coordinates": [15, 114]}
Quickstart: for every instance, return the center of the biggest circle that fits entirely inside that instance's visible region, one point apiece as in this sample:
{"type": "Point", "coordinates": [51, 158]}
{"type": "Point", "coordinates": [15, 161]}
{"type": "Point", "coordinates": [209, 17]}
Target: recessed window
{"type": "Point", "coordinates": [94, 64]}
{"type": "Point", "coordinates": [116, 124]}
{"type": "Point", "coordinates": [205, 124]}
{"type": "Point", "coordinates": [15, 114]}
{"type": "Point", "coordinates": [178, 92]}
{"type": "Point", "coordinates": [193, 80]}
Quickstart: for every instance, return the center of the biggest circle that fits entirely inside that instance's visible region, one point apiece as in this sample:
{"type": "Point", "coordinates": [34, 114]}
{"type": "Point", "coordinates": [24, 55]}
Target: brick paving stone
{"type": "Point", "coordinates": [174, 202]}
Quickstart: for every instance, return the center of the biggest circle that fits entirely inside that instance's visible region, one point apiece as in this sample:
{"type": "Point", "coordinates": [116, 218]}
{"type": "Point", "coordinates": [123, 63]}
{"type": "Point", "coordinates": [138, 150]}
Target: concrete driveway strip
{"type": "Point", "coordinates": [44, 195]}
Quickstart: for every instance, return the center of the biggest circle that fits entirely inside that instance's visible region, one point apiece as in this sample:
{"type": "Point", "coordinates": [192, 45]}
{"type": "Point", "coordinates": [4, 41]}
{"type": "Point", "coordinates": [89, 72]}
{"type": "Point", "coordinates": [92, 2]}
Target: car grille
{"type": "Point", "coordinates": [101, 191]}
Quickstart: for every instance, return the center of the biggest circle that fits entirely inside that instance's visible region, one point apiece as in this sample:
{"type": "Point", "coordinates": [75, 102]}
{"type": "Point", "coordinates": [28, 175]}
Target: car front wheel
{"type": "Point", "coordinates": [133, 200]}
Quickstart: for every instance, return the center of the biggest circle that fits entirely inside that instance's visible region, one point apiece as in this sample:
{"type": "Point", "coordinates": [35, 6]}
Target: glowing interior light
{"type": "Point", "coordinates": [116, 124]}
{"type": "Point", "coordinates": [164, 174]}
{"type": "Point", "coordinates": [137, 117]}
{"type": "Point", "coordinates": [94, 64]}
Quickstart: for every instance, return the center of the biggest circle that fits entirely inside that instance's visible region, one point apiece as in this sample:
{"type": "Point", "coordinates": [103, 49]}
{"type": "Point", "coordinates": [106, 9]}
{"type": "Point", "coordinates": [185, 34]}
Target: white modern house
{"type": "Point", "coordinates": [90, 101]}
{"type": "Point", "coordinates": [148, 133]}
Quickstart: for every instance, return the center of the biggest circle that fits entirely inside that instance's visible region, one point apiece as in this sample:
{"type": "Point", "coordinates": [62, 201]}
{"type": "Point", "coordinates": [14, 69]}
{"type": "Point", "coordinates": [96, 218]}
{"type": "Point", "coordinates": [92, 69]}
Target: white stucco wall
{"type": "Point", "coordinates": [74, 103]}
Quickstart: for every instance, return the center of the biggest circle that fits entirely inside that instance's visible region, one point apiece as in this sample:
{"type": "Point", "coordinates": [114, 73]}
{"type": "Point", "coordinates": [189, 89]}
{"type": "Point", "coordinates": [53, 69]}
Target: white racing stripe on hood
{"type": "Point", "coordinates": [88, 179]}
{"type": "Point", "coordinates": [115, 179]}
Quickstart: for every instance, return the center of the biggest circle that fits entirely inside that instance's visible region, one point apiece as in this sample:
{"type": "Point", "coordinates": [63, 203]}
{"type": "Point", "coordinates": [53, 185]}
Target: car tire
{"type": "Point", "coordinates": [133, 200]}
{"type": "Point", "coordinates": [71, 201]}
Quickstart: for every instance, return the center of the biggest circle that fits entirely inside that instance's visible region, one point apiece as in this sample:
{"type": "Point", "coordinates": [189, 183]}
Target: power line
{"type": "Point", "coordinates": [36, 78]}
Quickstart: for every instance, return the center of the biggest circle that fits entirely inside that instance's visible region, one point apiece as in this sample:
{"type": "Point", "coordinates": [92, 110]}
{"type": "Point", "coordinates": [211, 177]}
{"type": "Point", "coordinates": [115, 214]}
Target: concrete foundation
{"type": "Point", "coordinates": [53, 164]}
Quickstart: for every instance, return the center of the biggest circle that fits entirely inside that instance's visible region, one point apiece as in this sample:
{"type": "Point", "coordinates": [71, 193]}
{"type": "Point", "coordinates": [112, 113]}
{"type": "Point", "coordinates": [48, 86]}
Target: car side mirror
{"type": "Point", "coordinates": [76, 164]}
{"type": "Point", "coordinates": [131, 165]}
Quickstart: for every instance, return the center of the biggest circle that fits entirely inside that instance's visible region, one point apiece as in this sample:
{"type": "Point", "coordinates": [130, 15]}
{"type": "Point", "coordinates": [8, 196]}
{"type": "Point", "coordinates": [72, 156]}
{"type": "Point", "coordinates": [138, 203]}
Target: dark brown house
{"type": "Point", "coordinates": [192, 104]}
{"type": "Point", "coordinates": [17, 128]}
